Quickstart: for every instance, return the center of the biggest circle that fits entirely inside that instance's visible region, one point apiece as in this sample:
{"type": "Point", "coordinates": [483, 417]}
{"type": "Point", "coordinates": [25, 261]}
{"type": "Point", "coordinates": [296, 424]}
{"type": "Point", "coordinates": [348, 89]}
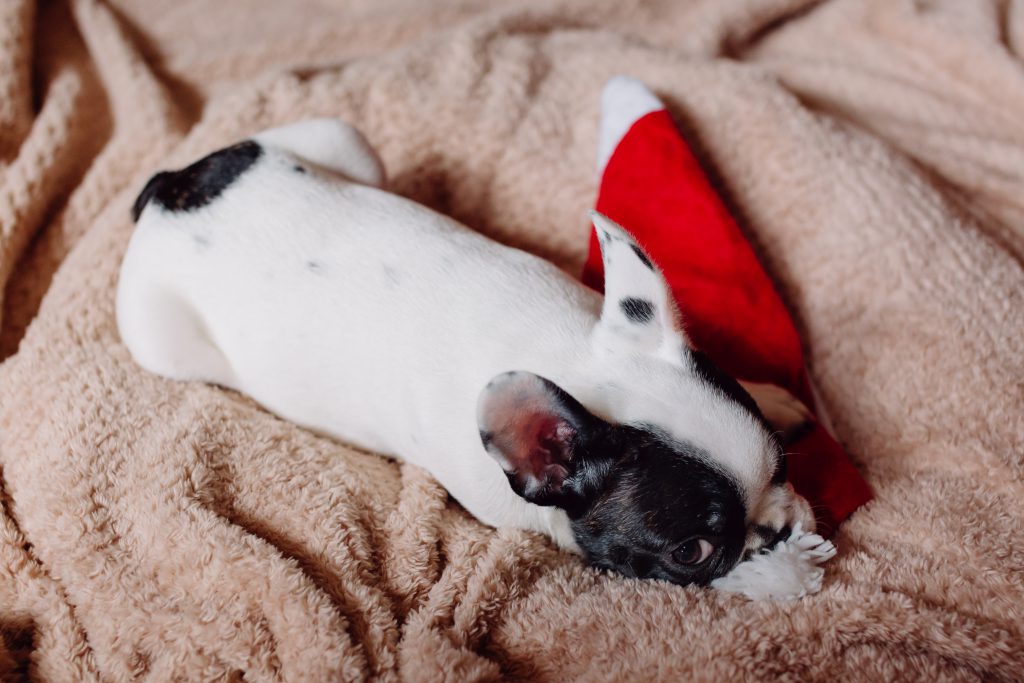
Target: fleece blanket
{"type": "Point", "coordinates": [872, 151]}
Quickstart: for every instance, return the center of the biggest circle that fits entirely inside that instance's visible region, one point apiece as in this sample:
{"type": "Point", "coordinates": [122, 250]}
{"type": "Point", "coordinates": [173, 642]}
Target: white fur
{"type": "Point", "coordinates": [624, 101]}
{"type": "Point", "coordinates": [372, 319]}
{"type": "Point", "coordinates": [790, 570]}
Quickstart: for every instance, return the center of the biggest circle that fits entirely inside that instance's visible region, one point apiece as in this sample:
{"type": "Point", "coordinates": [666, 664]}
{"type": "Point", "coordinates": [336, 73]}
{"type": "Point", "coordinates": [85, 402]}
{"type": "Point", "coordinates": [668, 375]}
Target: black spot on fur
{"type": "Point", "coordinates": [199, 184]}
{"type": "Point", "coordinates": [783, 534]}
{"type": "Point", "coordinates": [713, 376]}
{"type": "Point", "coordinates": [486, 437]}
{"type": "Point", "coordinates": [642, 256]}
{"type": "Point", "coordinates": [637, 310]}
{"type": "Point", "coordinates": [299, 169]}
{"type": "Point", "coordinates": [147, 193]}
{"type": "Point", "coordinates": [313, 266]}
{"type": "Point", "coordinates": [769, 537]}
{"type": "Point", "coordinates": [766, 533]}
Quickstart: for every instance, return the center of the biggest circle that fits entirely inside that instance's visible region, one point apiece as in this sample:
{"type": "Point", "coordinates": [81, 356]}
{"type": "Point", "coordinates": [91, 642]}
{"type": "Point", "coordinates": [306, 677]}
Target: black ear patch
{"type": "Point", "coordinates": [199, 184]}
{"type": "Point", "coordinates": [637, 310]}
{"type": "Point", "coordinates": [642, 256]}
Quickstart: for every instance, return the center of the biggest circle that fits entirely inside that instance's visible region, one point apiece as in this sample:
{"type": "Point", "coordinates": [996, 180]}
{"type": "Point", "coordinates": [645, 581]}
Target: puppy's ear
{"type": "Point", "coordinates": [331, 144]}
{"type": "Point", "coordinates": [639, 310]}
{"type": "Point", "coordinates": [538, 434]}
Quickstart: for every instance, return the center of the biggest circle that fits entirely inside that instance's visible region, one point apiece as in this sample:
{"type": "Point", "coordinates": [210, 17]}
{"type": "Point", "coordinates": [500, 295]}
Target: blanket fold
{"type": "Point", "coordinates": [873, 152]}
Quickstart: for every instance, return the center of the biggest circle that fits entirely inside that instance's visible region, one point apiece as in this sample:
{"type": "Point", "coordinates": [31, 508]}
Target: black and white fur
{"type": "Point", "coordinates": [279, 267]}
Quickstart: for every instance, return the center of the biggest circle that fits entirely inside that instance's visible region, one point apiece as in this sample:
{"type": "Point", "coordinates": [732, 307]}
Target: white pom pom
{"type": "Point", "coordinates": [624, 101]}
{"type": "Point", "coordinates": [788, 571]}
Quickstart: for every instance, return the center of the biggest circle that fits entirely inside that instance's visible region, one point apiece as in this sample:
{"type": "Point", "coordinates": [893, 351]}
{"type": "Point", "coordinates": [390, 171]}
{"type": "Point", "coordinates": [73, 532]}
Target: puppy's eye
{"type": "Point", "coordinates": [695, 551]}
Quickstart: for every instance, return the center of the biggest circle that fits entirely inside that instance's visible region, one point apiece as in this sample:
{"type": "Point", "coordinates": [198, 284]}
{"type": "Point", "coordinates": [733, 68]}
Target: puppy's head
{"type": "Point", "coordinates": [665, 466]}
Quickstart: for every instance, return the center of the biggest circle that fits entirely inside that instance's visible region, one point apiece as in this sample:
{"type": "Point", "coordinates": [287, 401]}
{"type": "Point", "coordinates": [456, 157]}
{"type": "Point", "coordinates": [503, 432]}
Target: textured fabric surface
{"type": "Point", "coordinates": [873, 152]}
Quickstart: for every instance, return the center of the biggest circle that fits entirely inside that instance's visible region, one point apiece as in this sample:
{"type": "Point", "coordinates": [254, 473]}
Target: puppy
{"type": "Point", "coordinates": [279, 267]}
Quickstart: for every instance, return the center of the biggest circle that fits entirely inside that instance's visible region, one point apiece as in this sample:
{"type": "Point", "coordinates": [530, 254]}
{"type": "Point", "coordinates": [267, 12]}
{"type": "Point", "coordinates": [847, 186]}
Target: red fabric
{"type": "Point", "coordinates": [654, 187]}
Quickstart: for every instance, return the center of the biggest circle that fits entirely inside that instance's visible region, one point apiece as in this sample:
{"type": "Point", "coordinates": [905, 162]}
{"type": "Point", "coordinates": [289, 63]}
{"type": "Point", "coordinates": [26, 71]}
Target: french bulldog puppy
{"type": "Point", "coordinates": [280, 268]}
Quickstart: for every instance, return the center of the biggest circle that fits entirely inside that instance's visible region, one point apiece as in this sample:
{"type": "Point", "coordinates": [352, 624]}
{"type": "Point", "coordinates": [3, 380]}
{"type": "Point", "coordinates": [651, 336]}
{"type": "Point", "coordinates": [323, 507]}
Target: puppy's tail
{"type": "Point", "coordinates": [331, 144]}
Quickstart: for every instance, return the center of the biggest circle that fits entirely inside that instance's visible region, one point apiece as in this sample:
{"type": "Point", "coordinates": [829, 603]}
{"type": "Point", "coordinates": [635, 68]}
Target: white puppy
{"type": "Point", "coordinates": [280, 268]}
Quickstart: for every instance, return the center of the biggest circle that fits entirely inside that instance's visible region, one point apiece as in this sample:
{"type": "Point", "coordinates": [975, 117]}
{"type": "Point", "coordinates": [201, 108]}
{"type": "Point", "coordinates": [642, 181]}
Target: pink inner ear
{"type": "Point", "coordinates": [548, 451]}
{"type": "Point", "coordinates": [529, 426]}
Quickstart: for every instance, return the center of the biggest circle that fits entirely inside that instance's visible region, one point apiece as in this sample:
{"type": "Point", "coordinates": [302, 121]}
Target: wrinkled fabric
{"type": "Point", "coordinates": [871, 150]}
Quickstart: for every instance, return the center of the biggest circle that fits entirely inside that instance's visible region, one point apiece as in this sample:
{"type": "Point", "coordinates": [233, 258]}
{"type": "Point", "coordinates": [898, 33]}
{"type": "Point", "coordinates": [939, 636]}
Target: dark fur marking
{"type": "Point", "coordinates": [633, 494]}
{"type": "Point", "coordinates": [770, 538]}
{"type": "Point", "coordinates": [642, 256]}
{"type": "Point", "coordinates": [783, 534]}
{"type": "Point", "coordinates": [300, 169]}
{"type": "Point", "coordinates": [713, 376]}
{"type": "Point", "coordinates": [637, 310]}
{"type": "Point", "coordinates": [652, 495]}
{"type": "Point", "coordinates": [780, 473]}
{"type": "Point", "coordinates": [730, 388]}
{"type": "Point", "coordinates": [147, 193]}
{"type": "Point", "coordinates": [313, 266]}
{"type": "Point", "coordinates": [199, 184]}
{"type": "Point", "coordinates": [766, 533]}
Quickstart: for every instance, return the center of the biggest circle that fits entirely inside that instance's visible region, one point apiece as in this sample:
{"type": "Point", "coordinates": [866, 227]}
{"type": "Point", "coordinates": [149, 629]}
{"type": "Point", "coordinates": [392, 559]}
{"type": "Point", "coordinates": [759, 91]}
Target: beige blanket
{"type": "Point", "coordinates": [873, 151]}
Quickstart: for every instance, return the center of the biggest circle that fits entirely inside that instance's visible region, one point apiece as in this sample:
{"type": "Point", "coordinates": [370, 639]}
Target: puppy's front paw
{"type": "Point", "coordinates": [789, 570]}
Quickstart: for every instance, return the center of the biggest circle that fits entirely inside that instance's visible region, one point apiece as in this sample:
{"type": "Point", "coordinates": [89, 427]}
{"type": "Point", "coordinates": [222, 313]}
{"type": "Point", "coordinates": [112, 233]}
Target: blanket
{"type": "Point", "coordinates": [871, 150]}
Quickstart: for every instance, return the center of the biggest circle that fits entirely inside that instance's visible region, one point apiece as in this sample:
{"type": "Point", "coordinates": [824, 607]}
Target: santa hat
{"type": "Point", "coordinates": [652, 185]}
